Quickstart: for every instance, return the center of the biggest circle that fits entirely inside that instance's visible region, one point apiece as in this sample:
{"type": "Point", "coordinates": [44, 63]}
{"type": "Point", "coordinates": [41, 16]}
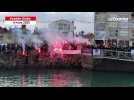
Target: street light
{"type": "Point", "coordinates": [116, 37]}
{"type": "Point", "coordinates": [117, 42]}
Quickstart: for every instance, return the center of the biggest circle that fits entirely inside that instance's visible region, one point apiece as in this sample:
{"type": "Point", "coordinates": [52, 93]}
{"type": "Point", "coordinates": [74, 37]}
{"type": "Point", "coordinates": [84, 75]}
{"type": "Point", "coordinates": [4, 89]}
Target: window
{"type": "Point", "coordinates": [68, 27]}
{"type": "Point", "coordinates": [100, 26]}
{"type": "Point", "coordinates": [65, 26]}
{"type": "Point", "coordinates": [113, 32]}
{"type": "Point", "coordinates": [132, 31]}
{"type": "Point", "coordinates": [60, 26]}
{"type": "Point", "coordinates": [101, 17]}
{"type": "Point", "coordinates": [131, 24]}
{"type": "Point", "coordinates": [123, 33]}
{"type": "Point", "coordinates": [124, 14]}
{"type": "Point", "coordinates": [112, 24]}
{"type": "Point", "coordinates": [123, 24]}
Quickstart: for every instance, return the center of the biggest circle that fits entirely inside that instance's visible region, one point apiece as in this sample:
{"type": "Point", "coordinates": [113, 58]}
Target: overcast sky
{"type": "Point", "coordinates": [85, 20]}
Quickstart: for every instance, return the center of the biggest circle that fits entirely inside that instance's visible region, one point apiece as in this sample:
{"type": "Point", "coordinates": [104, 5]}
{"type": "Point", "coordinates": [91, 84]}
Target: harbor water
{"type": "Point", "coordinates": [64, 78]}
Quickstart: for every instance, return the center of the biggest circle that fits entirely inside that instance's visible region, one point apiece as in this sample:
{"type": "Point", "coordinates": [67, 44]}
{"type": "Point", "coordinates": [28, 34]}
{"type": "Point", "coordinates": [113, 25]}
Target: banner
{"type": "Point", "coordinates": [20, 20]}
{"type": "Point", "coordinates": [71, 52]}
{"type": "Point", "coordinates": [96, 52]}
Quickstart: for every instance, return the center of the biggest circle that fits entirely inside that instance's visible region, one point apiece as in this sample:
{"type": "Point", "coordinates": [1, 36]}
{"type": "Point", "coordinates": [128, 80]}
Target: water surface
{"type": "Point", "coordinates": [64, 78]}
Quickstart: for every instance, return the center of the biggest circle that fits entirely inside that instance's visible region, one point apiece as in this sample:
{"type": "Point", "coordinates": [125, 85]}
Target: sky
{"type": "Point", "coordinates": [83, 20]}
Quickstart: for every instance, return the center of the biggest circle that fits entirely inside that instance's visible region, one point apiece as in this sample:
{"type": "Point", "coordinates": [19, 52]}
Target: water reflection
{"type": "Point", "coordinates": [44, 78]}
{"type": "Point", "coordinates": [64, 78]}
{"type": "Point", "coordinates": [9, 79]}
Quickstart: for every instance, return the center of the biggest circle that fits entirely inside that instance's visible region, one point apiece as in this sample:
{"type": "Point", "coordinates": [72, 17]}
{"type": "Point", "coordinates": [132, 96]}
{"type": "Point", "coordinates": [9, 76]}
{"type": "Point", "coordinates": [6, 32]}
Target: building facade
{"type": "Point", "coordinates": [115, 26]}
{"type": "Point", "coordinates": [62, 26]}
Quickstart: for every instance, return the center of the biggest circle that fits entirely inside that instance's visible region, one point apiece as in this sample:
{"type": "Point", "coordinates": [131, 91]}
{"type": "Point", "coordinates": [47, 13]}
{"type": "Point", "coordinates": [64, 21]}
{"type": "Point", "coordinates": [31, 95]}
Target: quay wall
{"type": "Point", "coordinates": [105, 64]}
{"type": "Point", "coordinates": [11, 62]}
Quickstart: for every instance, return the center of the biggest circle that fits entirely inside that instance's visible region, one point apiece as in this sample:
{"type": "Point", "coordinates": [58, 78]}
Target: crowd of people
{"type": "Point", "coordinates": [114, 49]}
{"type": "Point", "coordinates": [42, 56]}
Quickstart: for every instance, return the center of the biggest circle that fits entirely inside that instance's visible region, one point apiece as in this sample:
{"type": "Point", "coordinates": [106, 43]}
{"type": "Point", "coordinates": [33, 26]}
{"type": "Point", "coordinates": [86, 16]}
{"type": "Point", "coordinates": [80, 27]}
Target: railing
{"type": "Point", "coordinates": [114, 54]}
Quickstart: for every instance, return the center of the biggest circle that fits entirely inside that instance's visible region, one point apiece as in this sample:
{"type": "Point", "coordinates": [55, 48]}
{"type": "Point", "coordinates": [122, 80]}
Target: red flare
{"type": "Point", "coordinates": [23, 53]}
{"type": "Point", "coordinates": [39, 50]}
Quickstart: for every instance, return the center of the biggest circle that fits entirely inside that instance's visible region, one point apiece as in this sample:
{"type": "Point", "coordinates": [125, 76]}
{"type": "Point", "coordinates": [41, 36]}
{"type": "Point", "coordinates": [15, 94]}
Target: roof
{"type": "Point", "coordinates": [62, 20]}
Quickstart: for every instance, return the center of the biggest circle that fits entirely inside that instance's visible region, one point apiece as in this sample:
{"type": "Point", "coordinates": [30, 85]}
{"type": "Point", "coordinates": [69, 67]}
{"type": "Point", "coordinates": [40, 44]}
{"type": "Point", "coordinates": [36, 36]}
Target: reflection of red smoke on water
{"type": "Point", "coordinates": [23, 80]}
{"type": "Point", "coordinates": [64, 80]}
{"type": "Point", "coordinates": [39, 80]}
{"type": "Point", "coordinates": [56, 80]}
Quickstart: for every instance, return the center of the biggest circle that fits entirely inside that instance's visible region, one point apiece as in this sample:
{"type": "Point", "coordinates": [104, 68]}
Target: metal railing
{"type": "Point", "coordinates": [114, 54]}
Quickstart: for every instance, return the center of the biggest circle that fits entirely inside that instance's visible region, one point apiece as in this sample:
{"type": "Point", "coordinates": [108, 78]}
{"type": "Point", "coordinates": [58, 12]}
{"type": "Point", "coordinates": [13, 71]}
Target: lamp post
{"type": "Point", "coordinates": [117, 43]}
{"type": "Point", "coordinates": [73, 28]}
